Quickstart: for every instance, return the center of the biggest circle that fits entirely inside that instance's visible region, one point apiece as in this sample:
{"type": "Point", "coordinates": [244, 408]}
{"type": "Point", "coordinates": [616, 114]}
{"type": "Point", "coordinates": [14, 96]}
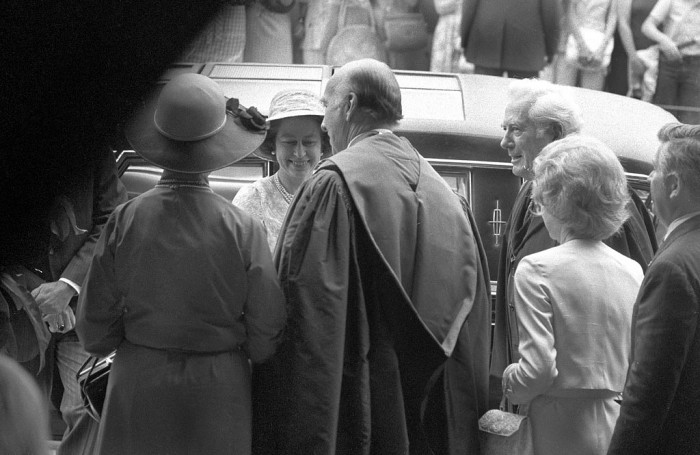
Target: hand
{"type": "Point", "coordinates": [584, 53]}
{"type": "Point", "coordinates": [53, 297]}
{"type": "Point", "coordinates": [62, 322]}
{"type": "Point", "coordinates": [298, 30]}
{"type": "Point", "coordinates": [596, 60]}
{"type": "Point", "coordinates": [670, 50]}
{"type": "Point", "coordinates": [636, 65]}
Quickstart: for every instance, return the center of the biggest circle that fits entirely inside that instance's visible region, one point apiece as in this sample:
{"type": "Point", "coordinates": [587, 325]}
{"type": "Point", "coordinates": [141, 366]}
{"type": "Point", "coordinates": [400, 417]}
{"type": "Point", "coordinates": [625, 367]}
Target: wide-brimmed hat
{"type": "Point", "coordinates": [291, 103]}
{"type": "Point", "coordinates": [190, 128]}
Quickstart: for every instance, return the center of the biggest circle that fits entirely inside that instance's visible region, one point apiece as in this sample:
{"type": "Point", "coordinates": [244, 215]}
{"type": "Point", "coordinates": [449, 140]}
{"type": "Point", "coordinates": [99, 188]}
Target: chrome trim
{"type": "Point", "coordinates": [469, 164]}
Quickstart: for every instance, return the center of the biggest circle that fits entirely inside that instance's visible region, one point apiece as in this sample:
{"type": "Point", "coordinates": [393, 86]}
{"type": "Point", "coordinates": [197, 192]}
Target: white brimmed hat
{"type": "Point", "coordinates": [189, 129]}
{"type": "Point", "coordinates": [292, 103]}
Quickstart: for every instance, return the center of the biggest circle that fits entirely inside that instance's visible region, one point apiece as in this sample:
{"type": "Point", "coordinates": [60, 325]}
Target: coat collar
{"type": "Point", "coordinates": [689, 225]}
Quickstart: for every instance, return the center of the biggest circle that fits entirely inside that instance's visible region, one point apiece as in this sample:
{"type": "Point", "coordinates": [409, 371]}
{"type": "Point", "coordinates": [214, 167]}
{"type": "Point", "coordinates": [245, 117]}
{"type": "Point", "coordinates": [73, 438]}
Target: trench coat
{"type": "Point", "coordinates": [182, 285]}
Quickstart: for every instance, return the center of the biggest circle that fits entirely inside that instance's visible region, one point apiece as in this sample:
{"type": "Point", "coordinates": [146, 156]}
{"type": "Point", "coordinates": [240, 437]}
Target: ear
{"type": "Point", "coordinates": [557, 131]}
{"type": "Point", "coordinates": [672, 184]}
{"type": "Point", "coordinates": [351, 100]}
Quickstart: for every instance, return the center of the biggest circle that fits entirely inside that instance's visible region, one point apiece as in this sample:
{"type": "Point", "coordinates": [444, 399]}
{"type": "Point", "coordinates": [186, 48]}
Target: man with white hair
{"type": "Point", "coordinates": [387, 291]}
{"type": "Point", "coordinates": [537, 114]}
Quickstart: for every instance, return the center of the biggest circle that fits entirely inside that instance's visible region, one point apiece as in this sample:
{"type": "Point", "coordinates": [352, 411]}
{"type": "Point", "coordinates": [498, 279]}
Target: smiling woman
{"type": "Point", "coordinates": [297, 143]}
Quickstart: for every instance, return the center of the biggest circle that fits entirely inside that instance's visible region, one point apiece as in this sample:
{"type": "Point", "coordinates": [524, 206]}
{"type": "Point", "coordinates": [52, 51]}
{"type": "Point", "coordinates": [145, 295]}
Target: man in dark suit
{"type": "Point", "coordinates": [75, 223]}
{"type": "Point", "coordinates": [660, 411]}
{"type": "Point", "coordinates": [517, 37]}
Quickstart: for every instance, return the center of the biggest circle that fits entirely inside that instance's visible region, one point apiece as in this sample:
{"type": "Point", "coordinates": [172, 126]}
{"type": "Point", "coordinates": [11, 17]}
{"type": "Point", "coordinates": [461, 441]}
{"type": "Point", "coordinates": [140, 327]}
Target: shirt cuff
{"type": "Point", "coordinates": [71, 284]}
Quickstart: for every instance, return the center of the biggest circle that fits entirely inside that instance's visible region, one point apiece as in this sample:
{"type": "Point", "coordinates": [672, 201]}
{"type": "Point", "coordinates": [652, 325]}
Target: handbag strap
{"type": "Point", "coordinates": [522, 408]}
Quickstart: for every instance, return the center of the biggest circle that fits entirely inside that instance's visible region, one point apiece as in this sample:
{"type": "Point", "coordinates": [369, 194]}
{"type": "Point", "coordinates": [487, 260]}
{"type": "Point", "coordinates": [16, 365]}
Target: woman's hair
{"type": "Point", "coordinates": [24, 415]}
{"type": "Point", "coordinates": [268, 145]}
{"type": "Point", "coordinates": [546, 105]}
{"type": "Point", "coordinates": [681, 153]}
{"type": "Point", "coordinates": [580, 181]}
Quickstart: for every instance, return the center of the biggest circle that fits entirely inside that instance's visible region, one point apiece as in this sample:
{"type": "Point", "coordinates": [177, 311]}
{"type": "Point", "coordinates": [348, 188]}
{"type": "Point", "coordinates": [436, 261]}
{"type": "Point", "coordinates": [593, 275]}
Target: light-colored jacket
{"type": "Point", "coordinates": [574, 310]}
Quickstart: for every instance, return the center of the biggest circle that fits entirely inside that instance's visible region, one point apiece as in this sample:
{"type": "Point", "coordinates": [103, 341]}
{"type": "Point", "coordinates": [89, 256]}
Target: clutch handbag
{"type": "Point", "coordinates": [502, 432]}
{"type": "Point", "coordinates": [93, 377]}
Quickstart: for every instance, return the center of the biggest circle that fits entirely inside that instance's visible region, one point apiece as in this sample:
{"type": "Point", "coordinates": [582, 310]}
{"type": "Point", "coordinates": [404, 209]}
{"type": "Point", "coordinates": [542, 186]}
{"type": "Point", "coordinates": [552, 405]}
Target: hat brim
{"type": "Point", "coordinates": [297, 113]}
{"type": "Point", "coordinates": [232, 143]}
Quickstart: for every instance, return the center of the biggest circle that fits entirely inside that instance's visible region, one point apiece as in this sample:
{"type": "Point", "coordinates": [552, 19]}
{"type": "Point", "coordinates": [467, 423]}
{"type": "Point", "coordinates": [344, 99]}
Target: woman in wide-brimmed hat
{"type": "Point", "coordinates": [182, 285]}
{"type": "Point", "coordinates": [297, 143]}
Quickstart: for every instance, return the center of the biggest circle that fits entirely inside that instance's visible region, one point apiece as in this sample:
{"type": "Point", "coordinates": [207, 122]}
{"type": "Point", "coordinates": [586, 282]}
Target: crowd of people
{"type": "Point", "coordinates": [316, 314]}
{"type": "Point", "coordinates": [647, 49]}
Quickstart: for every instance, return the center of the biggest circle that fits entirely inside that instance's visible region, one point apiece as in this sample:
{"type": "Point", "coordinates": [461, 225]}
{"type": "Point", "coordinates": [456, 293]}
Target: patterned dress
{"type": "Point", "coordinates": [263, 200]}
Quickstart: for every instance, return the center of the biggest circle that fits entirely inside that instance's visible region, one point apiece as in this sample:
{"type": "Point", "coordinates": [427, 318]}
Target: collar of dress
{"type": "Point", "coordinates": [174, 183]}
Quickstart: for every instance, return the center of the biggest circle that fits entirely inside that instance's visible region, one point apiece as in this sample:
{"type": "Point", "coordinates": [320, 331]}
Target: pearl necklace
{"type": "Point", "coordinates": [285, 194]}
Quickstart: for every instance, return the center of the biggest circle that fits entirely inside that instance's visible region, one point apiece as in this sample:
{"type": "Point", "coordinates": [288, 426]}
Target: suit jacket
{"type": "Point", "coordinates": [73, 226]}
{"type": "Point", "coordinates": [660, 411]}
{"type": "Point", "coordinates": [510, 34]}
{"type": "Point", "coordinates": [78, 217]}
{"type": "Point", "coordinates": [574, 306]}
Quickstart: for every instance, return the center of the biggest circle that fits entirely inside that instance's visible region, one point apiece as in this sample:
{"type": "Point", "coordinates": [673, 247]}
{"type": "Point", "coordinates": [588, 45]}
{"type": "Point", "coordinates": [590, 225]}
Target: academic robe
{"type": "Point", "coordinates": [388, 313]}
{"type": "Point", "coordinates": [526, 234]}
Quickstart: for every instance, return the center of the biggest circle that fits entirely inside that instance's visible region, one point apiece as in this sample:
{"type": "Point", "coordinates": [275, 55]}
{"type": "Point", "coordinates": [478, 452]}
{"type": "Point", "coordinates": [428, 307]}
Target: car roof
{"type": "Point", "coordinates": [455, 116]}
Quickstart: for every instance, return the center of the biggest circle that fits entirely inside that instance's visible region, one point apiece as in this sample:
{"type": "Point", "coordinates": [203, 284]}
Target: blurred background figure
{"type": "Point", "coordinates": [296, 142]}
{"type": "Point", "coordinates": [590, 25]}
{"type": "Point", "coordinates": [224, 37]}
{"type": "Point", "coordinates": [24, 415]}
{"type": "Point", "coordinates": [625, 63]}
{"type": "Point", "coordinates": [404, 28]}
{"type": "Point", "coordinates": [574, 302]}
{"type": "Point", "coordinates": [320, 20]}
{"type": "Point", "coordinates": [675, 26]}
{"type": "Point", "coordinates": [447, 42]}
{"type": "Point", "coordinates": [269, 31]}
{"type": "Point", "coordinates": [517, 38]}
{"type": "Point", "coordinates": [190, 279]}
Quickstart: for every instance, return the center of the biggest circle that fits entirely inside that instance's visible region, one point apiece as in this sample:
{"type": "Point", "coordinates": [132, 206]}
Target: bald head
{"type": "Point", "coordinates": [377, 91]}
{"type": "Point", "coordinates": [362, 95]}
